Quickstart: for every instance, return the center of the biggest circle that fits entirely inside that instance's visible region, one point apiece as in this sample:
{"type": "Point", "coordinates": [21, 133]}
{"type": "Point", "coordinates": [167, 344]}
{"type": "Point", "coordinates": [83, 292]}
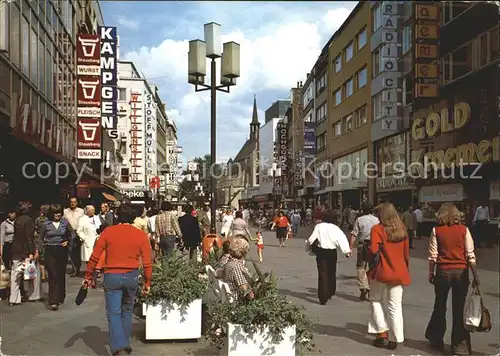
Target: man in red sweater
{"type": "Point", "coordinates": [124, 246]}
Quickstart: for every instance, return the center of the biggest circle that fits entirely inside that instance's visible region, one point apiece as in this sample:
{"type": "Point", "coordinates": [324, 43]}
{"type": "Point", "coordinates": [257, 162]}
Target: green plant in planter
{"type": "Point", "coordinates": [214, 257]}
{"type": "Point", "coordinates": [175, 280]}
{"type": "Point", "coordinates": [269, 311]}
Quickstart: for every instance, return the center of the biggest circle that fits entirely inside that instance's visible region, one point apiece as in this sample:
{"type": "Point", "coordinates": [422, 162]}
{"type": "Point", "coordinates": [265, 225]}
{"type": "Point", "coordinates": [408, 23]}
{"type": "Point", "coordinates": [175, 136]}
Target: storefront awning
{"type": "Point", "coordinates": [109, 197]}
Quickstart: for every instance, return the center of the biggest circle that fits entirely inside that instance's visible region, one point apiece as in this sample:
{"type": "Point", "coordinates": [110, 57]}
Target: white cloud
{"type": "Point", "coordinates": [127, 23]}
{"type": "Point", "coordinates": [273, 59]}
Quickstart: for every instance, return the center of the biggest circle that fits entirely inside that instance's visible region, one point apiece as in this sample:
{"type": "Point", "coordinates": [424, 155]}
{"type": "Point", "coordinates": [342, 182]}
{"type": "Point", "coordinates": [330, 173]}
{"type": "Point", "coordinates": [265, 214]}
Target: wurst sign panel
{"type": "Point", "coordinates": [88, 133]}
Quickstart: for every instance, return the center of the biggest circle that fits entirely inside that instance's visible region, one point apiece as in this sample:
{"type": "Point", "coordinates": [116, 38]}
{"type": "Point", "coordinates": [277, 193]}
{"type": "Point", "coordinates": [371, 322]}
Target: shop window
{"type": "Point", "coordinates": [482, 50]}
{"type": "Point", "coordinates": [361, 39]}
{"type": "Point", "coordinates": [337, 95]}
{"type": "Point", "coordinates": [407, 38]}
{"type": "Point", "coordinates": [337, 129]}
{"type": "Point", "coordinates": [349, 52]}
{"type": "Point", "coordinates": [15, 38]}
{"type": "Point", "coordinates": [360, 116]}
{"type": "Point", "coordinates": [361, 76]}
{"type": "Point", "coordinates": [376, 17]}
{"type": "Point", "coordinates": [407, 90]}
{"type": "Point", "coordinates": [462, 62]}
{"type": "Point", "coordinates": [124, 175]}
{"type": "Point", "coordinates": [41, 66]}
{"type": "Point", "coordinates": [321, 142]}
{"type": "Point", "coordinates": [376, 62]}
{"type": "Point", "coordinates": [494, 43]}
{"type": "Point", "coordinates": [348, 88]}
{"type": "Point", "coordinates": [338, 64]}
{"type": "Point", "coordinates": [377, 107]}
{"type": "Point", "coordinates": [26, 46]}
{"type": "Point", "coordinates": [122, 94]}
{"type": "Point", "coordinates": [347, 123]}
{"type": "Point", "coordinates": [446, 64]}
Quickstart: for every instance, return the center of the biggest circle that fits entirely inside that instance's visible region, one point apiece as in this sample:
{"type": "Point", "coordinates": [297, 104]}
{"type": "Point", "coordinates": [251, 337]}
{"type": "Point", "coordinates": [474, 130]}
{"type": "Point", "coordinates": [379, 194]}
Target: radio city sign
{"type": "Point", "coordinates": [389, 53]}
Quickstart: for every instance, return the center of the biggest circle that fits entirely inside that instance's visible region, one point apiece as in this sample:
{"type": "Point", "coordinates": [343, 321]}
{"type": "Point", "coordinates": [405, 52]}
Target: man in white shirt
{"type": "Point", "coordinates": [325, 240]}
{"type": "Point", "coordinates": [72, 214]}
{"type": "Point", "coordinates": [419, 215]}
{"type": "Point", "coordinates": [360, 238]}
{"type": "Point", "coordinates": [481, 221]}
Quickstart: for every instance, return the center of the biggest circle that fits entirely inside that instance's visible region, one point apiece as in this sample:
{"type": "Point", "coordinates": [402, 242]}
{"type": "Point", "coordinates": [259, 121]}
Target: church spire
{"type": "Point", "coordinates": [255, 117]}
{"type": "Point", "coordinates": [254, 124]}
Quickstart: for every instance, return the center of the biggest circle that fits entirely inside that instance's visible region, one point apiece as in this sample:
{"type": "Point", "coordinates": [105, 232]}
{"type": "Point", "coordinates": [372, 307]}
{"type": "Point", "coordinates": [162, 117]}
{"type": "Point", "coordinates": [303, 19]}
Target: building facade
{"type": "Point", "coordinates": [268, 163]}
{"type": "Point", "coordinates": [241, 176]}
{"type": "Point", "coordinates": [349, 109]}
{"type": "Point", "coordinates": [454, 118]}
{"type": "Point", "coordinates": [38, 103]}
{"type": "Point", "coordinates": [277, 109]}
{"type": "Point", "coordinates": [147, 140]}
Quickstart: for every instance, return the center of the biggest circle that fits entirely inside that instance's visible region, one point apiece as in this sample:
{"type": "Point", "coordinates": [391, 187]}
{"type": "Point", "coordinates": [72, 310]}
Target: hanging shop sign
{"type": "Point", "coordinates": [310, 138]}
{"type": "Point", "coordinates": [426, 39]}
{"type": "Point", "coordinates": [109, 79]}
{"type": "Point", "coordinates": [282, 149]}
{"type": "Point", "coordinates": [150, 136]}
{"type": "Point", "coordinates": [88, 133]}
{"type": "Point", "coordinates": [436, 123]}
{"type": "Point", "coordinates": [393, 183]}
{"type": "Point", "coordinates": [390, 70]}
{"type": "Point", "coordinates": [298, 175]}
{"type": "Point", "coordinates": [441, 193]}
{"type": "Point", "coordinates": [136, 139]}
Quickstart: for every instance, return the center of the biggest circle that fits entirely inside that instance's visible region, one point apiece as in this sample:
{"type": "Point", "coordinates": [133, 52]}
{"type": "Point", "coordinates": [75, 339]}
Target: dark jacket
{"type": "Point", "coordinates": [50, 236]}
{"type": "Point", "coordinates": [24, 238]}
{"type": "Point", "coordinates": [191, 234]}
{"type": "Point", "coordinates": [106, 221]}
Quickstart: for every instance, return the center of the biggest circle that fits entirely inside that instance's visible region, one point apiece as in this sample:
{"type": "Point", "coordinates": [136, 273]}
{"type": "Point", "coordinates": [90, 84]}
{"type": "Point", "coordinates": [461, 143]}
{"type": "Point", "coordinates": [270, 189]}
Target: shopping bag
{"type": "Point", "coordinates": [30, 271]}
{"type": "Point", "coordinates": [472, 310]}
{"type": "Point", "coordinates": [4, 276]}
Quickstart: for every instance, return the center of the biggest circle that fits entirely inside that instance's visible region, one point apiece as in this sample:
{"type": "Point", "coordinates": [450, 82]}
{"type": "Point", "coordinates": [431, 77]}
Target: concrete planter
{"type": "Point", "coordinates": [168, 321]}
{"type": "Point", "coordinates": [259, 344]}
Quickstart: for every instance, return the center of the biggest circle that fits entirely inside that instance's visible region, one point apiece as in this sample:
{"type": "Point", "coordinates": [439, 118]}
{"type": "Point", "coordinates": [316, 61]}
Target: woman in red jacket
{"type": "Point", "coordinates": [389, 241]}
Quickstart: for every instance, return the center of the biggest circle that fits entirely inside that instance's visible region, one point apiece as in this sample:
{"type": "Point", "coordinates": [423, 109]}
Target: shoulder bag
{"type": "Point", "coordinates": [475, 300]}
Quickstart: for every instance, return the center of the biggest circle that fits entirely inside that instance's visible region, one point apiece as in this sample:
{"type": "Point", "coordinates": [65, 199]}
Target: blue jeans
{"type": "Point", "coordinates": [167, 244]}
{"type": "Point", "coordinates": [295, 229]}
{"type": "Point", "coordinates": [119, 291]}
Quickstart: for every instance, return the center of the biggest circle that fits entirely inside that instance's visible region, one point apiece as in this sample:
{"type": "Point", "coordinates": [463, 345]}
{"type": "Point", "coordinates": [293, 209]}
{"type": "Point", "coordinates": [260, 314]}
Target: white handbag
{"type": "Point", "coordinates": [472, 310]}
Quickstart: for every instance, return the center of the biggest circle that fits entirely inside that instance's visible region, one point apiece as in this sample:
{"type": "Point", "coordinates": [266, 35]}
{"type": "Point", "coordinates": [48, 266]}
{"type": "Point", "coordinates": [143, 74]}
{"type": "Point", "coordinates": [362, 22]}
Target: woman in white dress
{"type": "Point", "coordinates": [88, 226]}
{"type": "Point", "coordinates": [227, 220]}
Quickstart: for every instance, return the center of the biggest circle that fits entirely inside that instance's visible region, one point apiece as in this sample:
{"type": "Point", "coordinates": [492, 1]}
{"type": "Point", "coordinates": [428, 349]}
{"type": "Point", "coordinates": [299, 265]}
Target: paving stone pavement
{"type": "Point", "coordinates": [340, 325]}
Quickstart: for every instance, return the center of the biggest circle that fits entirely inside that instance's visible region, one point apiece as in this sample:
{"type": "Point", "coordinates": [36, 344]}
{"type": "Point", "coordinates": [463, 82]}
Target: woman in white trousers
{"type": "Point", "coordinates": [389, 246]}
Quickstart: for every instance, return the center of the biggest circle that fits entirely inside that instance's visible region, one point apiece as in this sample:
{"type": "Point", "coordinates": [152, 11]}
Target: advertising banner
{"type": "Point", "coordinates": [109, 79]}
{"type": "Point", "coordinates": [137, 138]}
{"type": "Point", "coordinates": [150, 143]}
{"type": "Point", "coordinates": [310, 138]}
{"type": "Point", "coordinates": [88, 133]}
{"type": "Point", "coordinates": [282, 146]}
{"type": "Point", "coordinates": [298, 181]}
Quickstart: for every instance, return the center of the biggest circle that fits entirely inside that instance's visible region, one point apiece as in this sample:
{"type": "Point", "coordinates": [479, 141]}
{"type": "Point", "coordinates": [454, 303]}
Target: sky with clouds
{"type": "Point", "coordinates": [280, 41]}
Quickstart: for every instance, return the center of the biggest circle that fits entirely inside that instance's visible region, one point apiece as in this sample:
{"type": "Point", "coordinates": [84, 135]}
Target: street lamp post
{"type": "Point", "coordinates": [230, 70]}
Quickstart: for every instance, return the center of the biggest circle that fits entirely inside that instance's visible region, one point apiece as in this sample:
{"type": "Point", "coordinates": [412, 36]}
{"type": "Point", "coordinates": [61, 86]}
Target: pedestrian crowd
{"type": "Point", "coordinates": [382, 238]}
{"type": "Point", "coordinates": [119, 242]}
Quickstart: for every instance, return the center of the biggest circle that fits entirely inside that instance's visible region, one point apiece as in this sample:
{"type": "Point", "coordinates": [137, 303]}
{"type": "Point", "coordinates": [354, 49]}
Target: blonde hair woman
{"type": "Point", "coordinates": [451, 252]}
{"type": "Point", "coordinates": [389, 246]}
{"type": "Point", "coordinates": [235, 273]}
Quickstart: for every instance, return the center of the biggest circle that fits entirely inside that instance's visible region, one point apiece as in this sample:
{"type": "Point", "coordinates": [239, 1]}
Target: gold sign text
{"type": "Point", "coordinates": [435, 123]}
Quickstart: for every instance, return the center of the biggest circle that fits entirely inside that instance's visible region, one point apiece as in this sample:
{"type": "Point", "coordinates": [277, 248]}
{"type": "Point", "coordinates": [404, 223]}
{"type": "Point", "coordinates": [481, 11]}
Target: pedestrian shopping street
{"type": "Point", "coordinates": [340, 325]}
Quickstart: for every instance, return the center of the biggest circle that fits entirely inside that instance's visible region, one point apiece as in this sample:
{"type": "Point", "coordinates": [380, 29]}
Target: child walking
{"type": "Point", "coordinates": [259, 241]}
